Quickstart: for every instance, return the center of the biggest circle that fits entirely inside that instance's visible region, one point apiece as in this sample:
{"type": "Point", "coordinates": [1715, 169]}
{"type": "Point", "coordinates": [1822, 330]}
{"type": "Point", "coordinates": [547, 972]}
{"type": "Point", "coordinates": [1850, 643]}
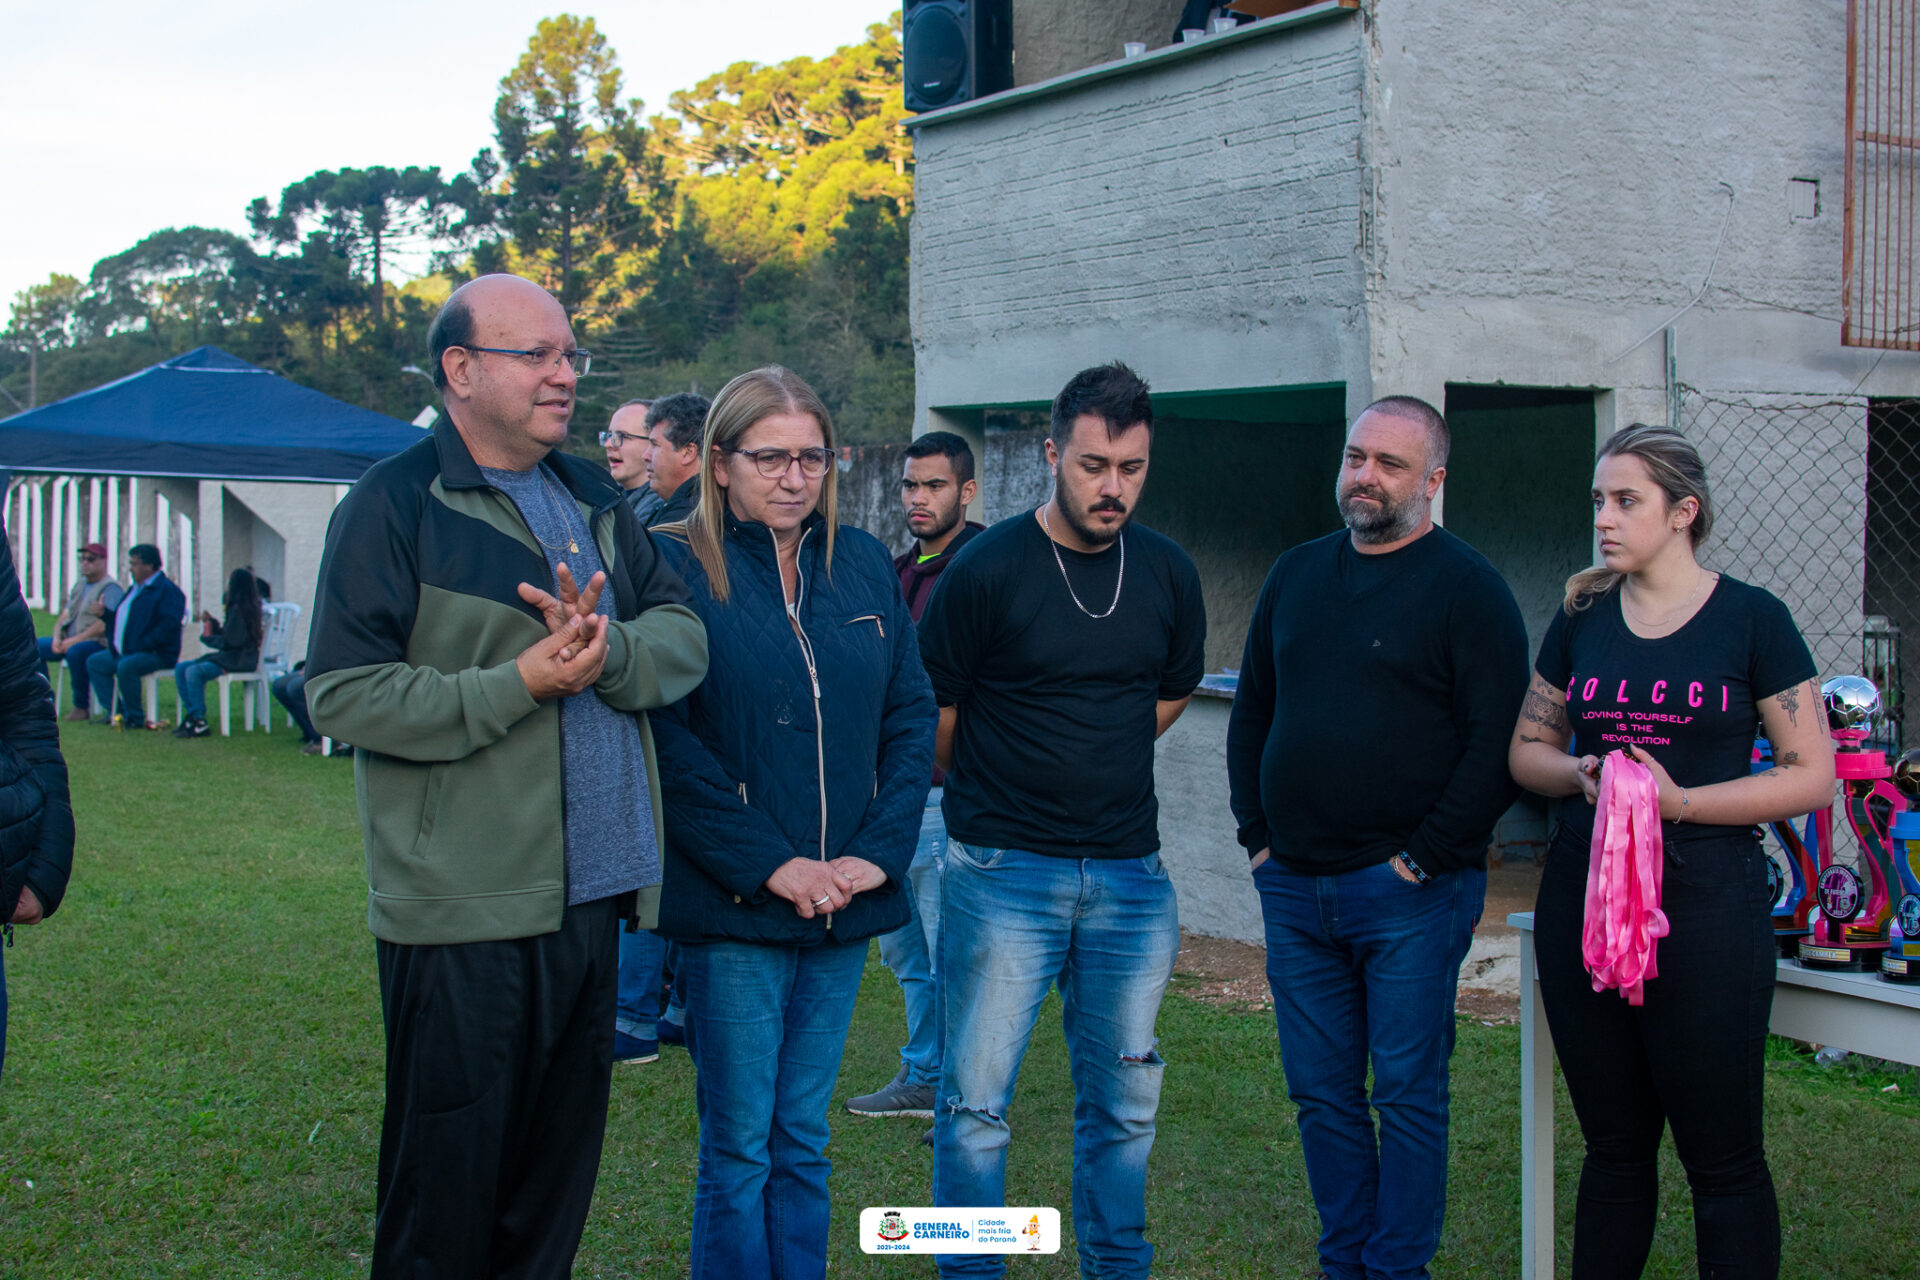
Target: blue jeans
{"type": "Point", "coordinates": [766, 1026]}
{"type": "Point", "coordinates": [910, 950]}
{"type": "Point", "coordinates": [1364, 967]}
{"type": "Point", "coordinates": [1014, 923]}
{"type": "Point", "coordinates": [76, 659]}
{"type": "Point", "coordinates": [291, 690]}
{"type": "Point", "coordinates": [104, 668]}
{"type": "Point", "coordinates": [190, 680]}
{"type": "Point", "coordinates": [636, 1010]}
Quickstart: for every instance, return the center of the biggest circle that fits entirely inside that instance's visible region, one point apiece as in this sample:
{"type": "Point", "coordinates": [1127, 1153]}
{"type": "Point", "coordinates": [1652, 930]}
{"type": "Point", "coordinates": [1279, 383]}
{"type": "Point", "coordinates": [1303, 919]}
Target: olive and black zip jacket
{"type": "Point", "coordinates": [458, 770]}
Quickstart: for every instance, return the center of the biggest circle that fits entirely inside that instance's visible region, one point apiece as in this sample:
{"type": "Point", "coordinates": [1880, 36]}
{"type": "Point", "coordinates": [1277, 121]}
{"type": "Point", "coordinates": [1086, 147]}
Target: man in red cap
{"type": "Point", "coordinates": [81, 627]}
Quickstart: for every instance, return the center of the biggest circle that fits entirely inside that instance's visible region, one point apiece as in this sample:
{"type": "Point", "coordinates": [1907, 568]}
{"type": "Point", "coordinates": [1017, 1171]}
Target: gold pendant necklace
{"type": "Point", "coordinates": [546, 487]}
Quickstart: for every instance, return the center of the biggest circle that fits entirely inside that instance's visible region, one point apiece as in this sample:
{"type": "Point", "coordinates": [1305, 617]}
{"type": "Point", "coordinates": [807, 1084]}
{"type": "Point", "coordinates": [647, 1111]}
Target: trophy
{"type": "Point", "coordinates": [1790, 873]}
{"type": "Point", "coordinates": [1851, 928]}
{"type": "Point", "coordinates": [1901, 962]}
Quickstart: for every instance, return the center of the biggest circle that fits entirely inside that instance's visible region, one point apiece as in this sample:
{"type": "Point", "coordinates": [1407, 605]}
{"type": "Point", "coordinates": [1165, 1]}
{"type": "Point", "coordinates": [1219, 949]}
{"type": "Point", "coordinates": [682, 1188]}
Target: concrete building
{"type": "Point", "coordinates": [203, 528]}
{"type": "Point", "coordinates": [1550, 220]}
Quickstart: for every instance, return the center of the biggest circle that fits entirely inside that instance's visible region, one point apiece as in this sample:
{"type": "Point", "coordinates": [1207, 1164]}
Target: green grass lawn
{"type": "Point", "coordinates": [193, 1080]}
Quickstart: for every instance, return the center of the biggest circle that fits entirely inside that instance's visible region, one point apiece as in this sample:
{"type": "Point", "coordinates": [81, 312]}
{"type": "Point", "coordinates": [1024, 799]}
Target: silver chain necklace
{"type": "Point", "coordinates": [1117, 583]}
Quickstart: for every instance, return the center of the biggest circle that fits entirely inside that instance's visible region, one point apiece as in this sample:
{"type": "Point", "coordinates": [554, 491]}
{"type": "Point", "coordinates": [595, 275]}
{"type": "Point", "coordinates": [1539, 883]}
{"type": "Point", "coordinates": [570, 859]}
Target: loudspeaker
{"type": "Point", "coordinates": [955, 50]}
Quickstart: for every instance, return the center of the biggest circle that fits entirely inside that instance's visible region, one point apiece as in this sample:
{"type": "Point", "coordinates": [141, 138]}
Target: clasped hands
{"type": "Point", "coordinates": [817, 888]}
{"type": "Point", "coordinates": [570, 659]}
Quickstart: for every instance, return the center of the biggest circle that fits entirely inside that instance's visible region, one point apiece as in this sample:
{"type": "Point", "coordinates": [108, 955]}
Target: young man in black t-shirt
{"type": "Point", "coordinates": [1368, 765]}
{"type": "Point", "coordinates": [1061, 643]}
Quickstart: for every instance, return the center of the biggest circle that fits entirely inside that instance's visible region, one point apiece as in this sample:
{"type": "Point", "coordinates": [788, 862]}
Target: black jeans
{"type": "Point", "coordinates": [499, 1059]}
{"type": "Point", "coordinates": [1691, 1056]}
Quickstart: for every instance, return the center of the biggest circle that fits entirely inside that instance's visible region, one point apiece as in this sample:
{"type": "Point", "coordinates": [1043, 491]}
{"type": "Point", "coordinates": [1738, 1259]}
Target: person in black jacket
{"type": "Point", "coordinates": [794, 779]}
{"type": "Point", "coordinates": [36, 816]}
{"type": "Point", "coordinates": [235, 642]}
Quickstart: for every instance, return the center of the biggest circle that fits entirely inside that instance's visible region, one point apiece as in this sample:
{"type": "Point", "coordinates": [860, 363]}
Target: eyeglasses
{"type": "Point", "coordinates": [544, 357]}
{"type": "Point", "coordinates": [88, 555]}
{"type": "Point", "coordinates": [773, 463]}
{"type": "Point", "coordinates": [608, 439]}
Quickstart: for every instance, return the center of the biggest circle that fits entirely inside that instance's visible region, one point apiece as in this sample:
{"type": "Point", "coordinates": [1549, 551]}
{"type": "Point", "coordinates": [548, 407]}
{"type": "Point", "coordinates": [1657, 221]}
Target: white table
{"type": "Point", "coordinates": [1856, 1011]}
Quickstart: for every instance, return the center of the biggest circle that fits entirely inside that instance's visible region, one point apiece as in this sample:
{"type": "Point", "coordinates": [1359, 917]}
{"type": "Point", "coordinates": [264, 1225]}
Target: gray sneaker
{"type": "Point", "coordinates": [897, 1098]}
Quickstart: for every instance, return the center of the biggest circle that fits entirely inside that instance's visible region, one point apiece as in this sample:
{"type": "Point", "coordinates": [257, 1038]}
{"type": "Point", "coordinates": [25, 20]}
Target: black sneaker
{"type": "Point", "coordinates": [194, 727]}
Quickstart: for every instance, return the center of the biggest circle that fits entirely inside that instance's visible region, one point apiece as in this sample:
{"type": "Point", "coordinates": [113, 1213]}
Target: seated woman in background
{"type": "Point", "coordinates": [235, 641]}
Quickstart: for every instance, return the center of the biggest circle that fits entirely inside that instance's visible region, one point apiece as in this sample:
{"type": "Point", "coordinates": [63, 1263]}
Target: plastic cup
{"type": "Point", "coordinates": [1222, 25]}
{"type": "Point", "coordinates": [1190, 34]}
{"type": "Point", "coordinates": [1134, 48]}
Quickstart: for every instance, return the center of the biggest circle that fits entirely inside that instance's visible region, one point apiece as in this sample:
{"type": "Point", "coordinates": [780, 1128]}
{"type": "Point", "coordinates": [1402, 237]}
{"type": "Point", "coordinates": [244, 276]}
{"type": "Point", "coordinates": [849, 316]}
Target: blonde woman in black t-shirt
{"type": "Point", "coordinates": [1657, 656]}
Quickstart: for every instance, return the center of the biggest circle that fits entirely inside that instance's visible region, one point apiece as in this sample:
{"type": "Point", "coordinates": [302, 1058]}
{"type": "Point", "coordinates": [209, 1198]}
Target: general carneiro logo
{"type": "Point", "coordinates": [893, 1226]}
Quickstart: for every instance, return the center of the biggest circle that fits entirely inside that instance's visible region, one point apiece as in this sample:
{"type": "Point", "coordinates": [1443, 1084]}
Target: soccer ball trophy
{"type": "Point", "coordinates": [1851, 929]}
{"type": "Point", "coordinates": [1901, 963]}
{"type": "Point", "coordinates": [1792, 874]}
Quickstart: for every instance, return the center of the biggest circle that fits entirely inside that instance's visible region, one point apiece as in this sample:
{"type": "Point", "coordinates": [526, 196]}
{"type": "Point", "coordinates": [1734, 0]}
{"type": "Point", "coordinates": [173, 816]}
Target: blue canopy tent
{"type": "Point", "coordinates": [204, 415]}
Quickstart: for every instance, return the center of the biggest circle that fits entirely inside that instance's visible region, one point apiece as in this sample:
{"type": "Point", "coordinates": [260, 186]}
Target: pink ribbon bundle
{"type": "Point", "coordinates": [1624, 922]}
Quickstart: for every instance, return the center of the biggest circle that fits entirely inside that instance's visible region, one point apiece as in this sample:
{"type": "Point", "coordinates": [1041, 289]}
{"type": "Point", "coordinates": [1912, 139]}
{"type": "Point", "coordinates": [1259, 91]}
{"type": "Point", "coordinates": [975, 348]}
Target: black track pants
{"type": "Point", "coordinates": [499, 1056]}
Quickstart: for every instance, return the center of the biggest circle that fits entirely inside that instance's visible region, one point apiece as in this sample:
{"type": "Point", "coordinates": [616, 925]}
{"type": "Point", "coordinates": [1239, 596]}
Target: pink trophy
{"type": "Point", "coordinates": [1850, 929]}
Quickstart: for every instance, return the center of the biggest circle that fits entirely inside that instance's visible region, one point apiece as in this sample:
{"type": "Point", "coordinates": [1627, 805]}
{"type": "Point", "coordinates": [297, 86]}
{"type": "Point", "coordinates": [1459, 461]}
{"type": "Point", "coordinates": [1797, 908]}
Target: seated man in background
{"type": "Point", "coordinates": [79, 631]}
{"type": "Point", "coordinates": [146, 631]}
{"type": "Point", "coordinates": [290, 690]}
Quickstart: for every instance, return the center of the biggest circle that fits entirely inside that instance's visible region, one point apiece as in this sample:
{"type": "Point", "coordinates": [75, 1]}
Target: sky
{"type": "Point", "coordinates": [118, 119]}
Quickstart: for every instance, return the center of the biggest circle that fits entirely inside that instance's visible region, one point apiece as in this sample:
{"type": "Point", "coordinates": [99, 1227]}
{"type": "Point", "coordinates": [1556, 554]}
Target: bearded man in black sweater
{"type": "Point", "coordinates": [1383, 671]}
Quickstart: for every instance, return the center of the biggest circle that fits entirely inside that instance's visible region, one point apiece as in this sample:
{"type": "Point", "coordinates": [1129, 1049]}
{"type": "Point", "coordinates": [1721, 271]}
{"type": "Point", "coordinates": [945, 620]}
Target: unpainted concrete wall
{"type": "Point", "coordinates": [1051, 39]}
{"type": "Point", "coordinates": [1198, 843]}
{"type": "Point", "coordinates": [1546, 188]}
{"type": "Point", "coordinates": [1195, 218]}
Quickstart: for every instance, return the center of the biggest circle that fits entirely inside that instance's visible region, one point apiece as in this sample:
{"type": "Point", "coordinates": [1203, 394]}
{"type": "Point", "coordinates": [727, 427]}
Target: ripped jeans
{"type": "Point", "coordinates": [1013, 923]}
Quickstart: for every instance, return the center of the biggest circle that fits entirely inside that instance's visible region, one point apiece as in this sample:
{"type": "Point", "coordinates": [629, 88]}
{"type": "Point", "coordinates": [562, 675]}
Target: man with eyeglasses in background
{"type": "Point", "coordinates": [81, 628]}
{"type": "Point", "coordinates": [628, 449]}
{"type": "Point", "coordinates": [491, 627]}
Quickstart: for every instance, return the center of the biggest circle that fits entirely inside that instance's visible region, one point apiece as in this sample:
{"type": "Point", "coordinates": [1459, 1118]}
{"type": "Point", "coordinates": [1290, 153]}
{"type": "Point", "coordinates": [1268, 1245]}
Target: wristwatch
{"type": "Point", "coordinates": [1412, 868]}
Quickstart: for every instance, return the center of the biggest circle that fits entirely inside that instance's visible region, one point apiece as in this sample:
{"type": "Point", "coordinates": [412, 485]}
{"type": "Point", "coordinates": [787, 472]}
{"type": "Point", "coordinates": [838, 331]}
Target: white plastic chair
{"type": "Point", "coordinates": [277, 621]}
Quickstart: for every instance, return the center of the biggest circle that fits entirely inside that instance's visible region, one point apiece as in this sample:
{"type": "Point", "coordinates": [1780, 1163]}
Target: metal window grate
{"type": "Point", "coordinates": [1880, 293]}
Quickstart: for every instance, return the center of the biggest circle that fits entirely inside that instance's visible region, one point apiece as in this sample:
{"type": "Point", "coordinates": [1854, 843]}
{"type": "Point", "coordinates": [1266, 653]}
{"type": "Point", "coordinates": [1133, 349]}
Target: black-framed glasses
{"type": "Point", "coordinates": [88, 555]}
{"type": "Point", "coordinates": [543, 357]}
{"type": "Point", "coordinates": [773, 463]}
{"type": "Point", "coordinates": [622, 438]}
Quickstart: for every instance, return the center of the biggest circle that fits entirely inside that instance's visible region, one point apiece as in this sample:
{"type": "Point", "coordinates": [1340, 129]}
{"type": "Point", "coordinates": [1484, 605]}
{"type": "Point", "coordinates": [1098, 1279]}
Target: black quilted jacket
{"type": "Point", "coordinates": [761, 763]}
{"type": "Point", "coordinates": [36, 817]}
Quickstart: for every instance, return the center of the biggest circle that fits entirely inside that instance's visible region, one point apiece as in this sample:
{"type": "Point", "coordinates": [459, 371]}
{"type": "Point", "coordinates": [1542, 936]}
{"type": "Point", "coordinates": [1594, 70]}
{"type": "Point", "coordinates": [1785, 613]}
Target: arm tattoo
{"type": "Point", "coordinates": [1545, 712]}
{"type": "Point", "coordinates": [1789, 700]}
{"type": "Point", "coordinates": [1790, 757]}
{"type": "Point", "coordinates": [1526, 737]}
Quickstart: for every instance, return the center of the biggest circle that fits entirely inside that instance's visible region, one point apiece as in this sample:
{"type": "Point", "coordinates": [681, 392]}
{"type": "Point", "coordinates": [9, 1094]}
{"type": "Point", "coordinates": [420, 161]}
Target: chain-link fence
{"type": "Point", "coordinates": [1819, 502]}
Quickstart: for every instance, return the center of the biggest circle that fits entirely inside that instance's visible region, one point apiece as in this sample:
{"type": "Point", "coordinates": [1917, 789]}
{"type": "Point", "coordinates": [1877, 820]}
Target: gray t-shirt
{"type": "Point", "coordinates": [106, 591]}
{"type": "Point", "coordinates": [609, 814]}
